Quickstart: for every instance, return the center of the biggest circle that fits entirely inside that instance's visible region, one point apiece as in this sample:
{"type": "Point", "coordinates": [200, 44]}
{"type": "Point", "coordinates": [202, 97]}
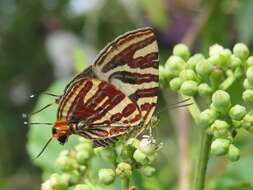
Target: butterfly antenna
{"type": "Point", "coordinates": [45, 146]}
{"type": "Point", "coordinates": [50, 94]}
{"type": "Point", "coordinates": [179, 102]}
{"type": "Point", "coordinates": [48, 105]}
{"type": "Point", "coordinates": [180, 106]}
{"type": "Point", "coordinates": [176, 105]}
{"type": "Point", "coordinates": [30, 123]}
{"type": "Point", "coordinates": [46, 93]}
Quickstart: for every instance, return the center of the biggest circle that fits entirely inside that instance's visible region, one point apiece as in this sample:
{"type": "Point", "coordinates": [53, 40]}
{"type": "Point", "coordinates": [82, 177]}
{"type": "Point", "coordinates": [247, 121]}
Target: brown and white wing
{"type": "Point", "coordinates": [130, 62]}
{"type": "Point", "coordinates": [98, 106]}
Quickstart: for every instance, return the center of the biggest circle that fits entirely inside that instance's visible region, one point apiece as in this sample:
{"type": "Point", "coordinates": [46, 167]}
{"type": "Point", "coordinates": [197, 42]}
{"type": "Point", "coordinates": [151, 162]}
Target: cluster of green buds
{"type": "Point", "coordinates": [72, 166]}
{"type": "Point", "coordinates": [210, 77]}
{"type": "Point", "coordinates": [75, 165]}
{"type": "Point", "coordinates": [127, 156]}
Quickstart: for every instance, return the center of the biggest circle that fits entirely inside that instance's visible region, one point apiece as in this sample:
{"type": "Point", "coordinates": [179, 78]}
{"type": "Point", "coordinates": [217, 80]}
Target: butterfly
{"type": "Point", "coordinates": [114, 97]}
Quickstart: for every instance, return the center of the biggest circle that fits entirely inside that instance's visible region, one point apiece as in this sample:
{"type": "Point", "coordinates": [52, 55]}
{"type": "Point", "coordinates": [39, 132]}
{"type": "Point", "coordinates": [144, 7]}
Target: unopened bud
{"type": "Point", "coordinates": [189, 88]}
{"type": "Point", "coordinates": [233, 153]}
{"type": "Point", "coordinates": [220, 146]}
{"type": "Point", "coordinates": [175, 65]}
{"type": "Point", "coordinates": [124, 170]}
{"type": "Point", "coordinates": [247, 95]}
{"type": "Point", "coordinates": [237, 112]}
{"type": "Point", "coordinates": [241, 51]}
{"type": "Point", "coordinates": [182, 51]}
{"type": "Point", "coordinates": [106, 176]}
{"type": "Point", "coordinates": [221, 100]}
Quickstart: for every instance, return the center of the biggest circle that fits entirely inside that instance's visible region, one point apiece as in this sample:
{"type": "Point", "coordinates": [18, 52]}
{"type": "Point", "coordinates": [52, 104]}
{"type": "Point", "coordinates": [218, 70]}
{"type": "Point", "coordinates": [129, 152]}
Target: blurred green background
{"type": "Point", "coordinates": [43, 42]}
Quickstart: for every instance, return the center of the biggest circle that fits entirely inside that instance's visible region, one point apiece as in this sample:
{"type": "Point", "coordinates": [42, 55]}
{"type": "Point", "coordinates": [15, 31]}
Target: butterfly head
{"type": "Point", "coordinates": [61, 130]}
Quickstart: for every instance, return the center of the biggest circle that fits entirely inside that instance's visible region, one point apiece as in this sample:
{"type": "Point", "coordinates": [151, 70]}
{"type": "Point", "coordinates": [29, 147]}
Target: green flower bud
{"type": "Point", "coordinates": [233, 153]}
{"type": "Point", "coordinates": [215, 49]}
{"type": "Point", "coordinates": [191, 63]}
{"type": "Point", "coordinates": [175, 65]}
{"type": "Point", "coordinates": [241, 51]}
{"type": "Point", "coordinates": [187, 74]}
{"type": "Point", "coordinates": [235, 62]}
{"type": "Point", "coordinates": [164, 75]}
{"type": "Point", "coordinates": [189, 88]}
{"type": "Point", "coordinates": [55, 182]}
{"type": "Point", "coordinates": [249, 74]}
{"type": "Point", "coordinates": [152, 158]}
{"type": "Point", "coordinates": [249, 61]}
{"type": "Point", "coordinates": [237, 112]}
{"type": "Point", "coordinates": [82, 187]}
{"type": "Point", "coordinates": [84, 147]}
{"type": "Point", "coordinates": [247, 122]}
{"type": "Point", "coordinates": [148, 171]}
{"type": "Point", "coordinates": [247, 95]}
{"type": "Point", "coordinates": [182, 51]}
{"type": "Point", "coordinates": [220, 128]}
{"type": "Point", "coordinates": [204, 89]}
{"type": "Point", "coordinates": [147, 147]}
{"type": "Point", "coordinates": [176, 83]}
{"type": "Point", "coordinates": [82, 157]}
{"type": "Point", "coordinates": [105, 154]}
{"type": "Point", "coordinates": [221, 100]}
{"type": "Point", "coordinates": [106, 176]}
{"type": "Point", "coordinates": [207, 117]}
{"type": "Point", "coordinates": [247, 85]}
{"type": "Point", "coordinates": [124, 170]}
{"type": "Point", "coordinates": [204, 68]}
{"type": "Point", "coordinates": [66, 163]}
{"type": "Point", "coordinates": [220, 146]}
{"type": "Point", "coordinates": [140, 157]}
{"type": "Point", "coordinates": [225, 57]}
{"type": "Point", "coordinates": [214, 60]}
{"type": "Point", "coordinates": [133, 142]}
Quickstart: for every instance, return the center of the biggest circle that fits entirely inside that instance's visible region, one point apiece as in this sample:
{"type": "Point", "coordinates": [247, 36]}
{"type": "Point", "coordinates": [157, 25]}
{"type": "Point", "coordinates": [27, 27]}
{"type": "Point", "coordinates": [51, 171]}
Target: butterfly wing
{"type": "Point", "coordinates": [131, 63]}
{"type": "Point", "coordinates": [99, 108]}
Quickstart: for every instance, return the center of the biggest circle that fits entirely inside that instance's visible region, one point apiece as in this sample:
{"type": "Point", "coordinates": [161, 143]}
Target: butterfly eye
{"type": "Point", "coordinates": [70, 126]}
{"type": "Point", "coordinates": [54, 131]}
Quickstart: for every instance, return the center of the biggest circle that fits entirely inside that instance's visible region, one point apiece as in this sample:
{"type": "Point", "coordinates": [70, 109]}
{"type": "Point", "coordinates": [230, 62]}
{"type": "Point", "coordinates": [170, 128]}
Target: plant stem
{"type": "Point", "coordinates": [124, 183]}
{"type": "Point", "coordinates": [194, 110]}
{"type": "Point", "coordinates": [205, 143]}
{"type": "Point", "coordinates": [228, 82]}
{"type": "Point", "coordinates": [200, 173]}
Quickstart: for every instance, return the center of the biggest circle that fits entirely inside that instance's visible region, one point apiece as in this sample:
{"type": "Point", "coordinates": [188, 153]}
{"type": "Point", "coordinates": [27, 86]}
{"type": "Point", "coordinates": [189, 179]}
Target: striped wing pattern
{"type": "Point", "coordinates": [98, 107]}
{"type": "Point", "coordinates": [118, 93]}
{"type": "Point", "coordinates": [131, 63]}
